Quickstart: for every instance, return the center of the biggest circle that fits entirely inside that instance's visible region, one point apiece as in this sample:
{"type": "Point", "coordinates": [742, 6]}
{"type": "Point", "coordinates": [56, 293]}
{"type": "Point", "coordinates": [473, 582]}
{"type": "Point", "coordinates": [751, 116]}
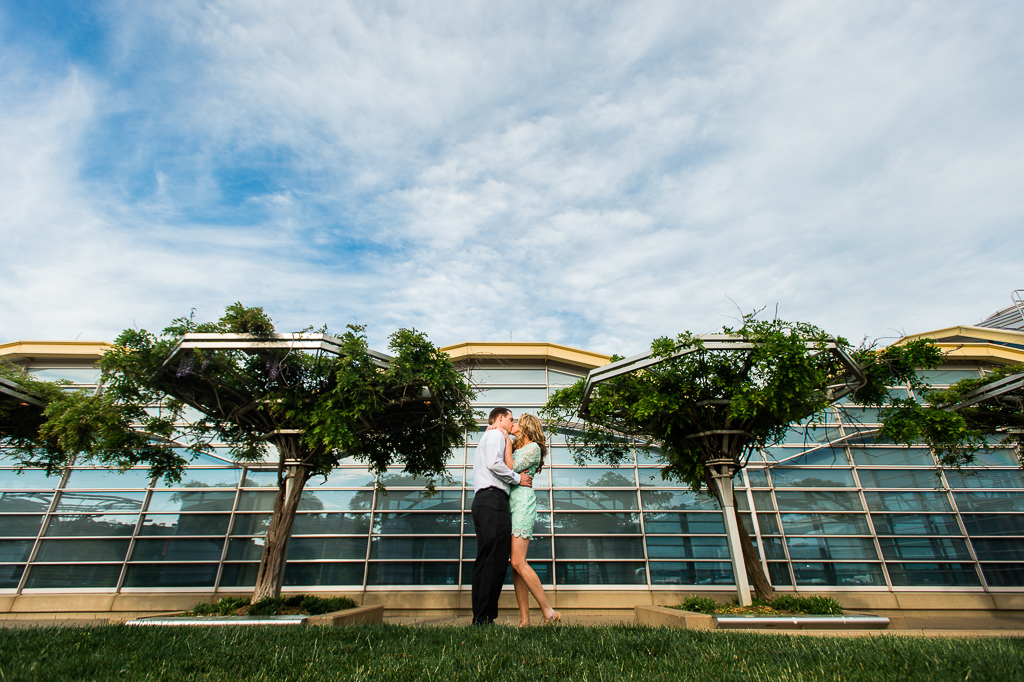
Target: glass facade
{"type": "Point", "coordinates": [826, 508]}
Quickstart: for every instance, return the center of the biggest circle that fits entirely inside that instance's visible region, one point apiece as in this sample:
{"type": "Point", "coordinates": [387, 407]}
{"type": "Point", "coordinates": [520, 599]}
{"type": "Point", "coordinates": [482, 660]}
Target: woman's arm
{"type": "Point", "coordinates": [528, 455]}
{"type": "Point", "coordinates": [508, 452]}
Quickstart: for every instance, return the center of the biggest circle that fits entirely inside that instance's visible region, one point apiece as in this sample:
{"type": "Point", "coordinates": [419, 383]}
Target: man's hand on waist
{"type": "Point", "coordinates": [526, 480]}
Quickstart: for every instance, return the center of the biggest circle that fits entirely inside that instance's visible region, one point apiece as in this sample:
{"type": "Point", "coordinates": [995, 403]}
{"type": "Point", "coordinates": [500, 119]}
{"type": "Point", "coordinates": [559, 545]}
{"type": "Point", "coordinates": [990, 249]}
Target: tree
{"type": "Point", "coordinates": [307, 399]}
{"type": "Point", "coordinates": [709, 402]}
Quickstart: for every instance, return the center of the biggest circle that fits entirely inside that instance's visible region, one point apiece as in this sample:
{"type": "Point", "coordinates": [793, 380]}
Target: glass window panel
{"type": "Point", "coordinates": [73, 575]}
{"type": "Point", "coordinates": [993, 524]}
{"type": "Point", "coordinates": [986, 478]}
{"type": "Point", "coordinates": [322, 574]}
{"type": "Point", "coordinates": [10, 576]}
{"type": "Point", "coordinates": [678, 499]}
{"type": "Point", "coordinates": [176, 549]}
{"type": "Point", "coordinates": [773, 548]}
{"type": "Point", "coordinates": [170, 575]}
{"type": "Point", "coordinates": [594, 478]}
{"type": "Point", "coordinates": [27, 479]}
{"type": "Point", "coordinates": [831, 548]}
{"type": "Point", "coordinates": [193, 501]}
{"type": "Point", "coordinates": [244, 575]}
{"type": "Point", "coordinates": [414, 499]}
{"type": "Point", "coordinates": [924, 548]}
{"type": "Point", "coordinates": [561, 456]}
{"type": "Point", "coordinates": [907, 501]}
{"type": "Point", "coordinates": [77, 525]}
{"type": "Point", "coordinates": [946, 376]}
{"type": "Point", "coordinates": [302, 549]}
{"type": "Point", "coordinates": [599, 548]}
{"type": "Point", "coordinates": [511, 396]}
{"type": "Point", "coordinates": [691, 573]}
{"type": "Point", "coordinates": [343, 478]}
{"type": "Point", "coordinates": [204, 478]}
{"type": "Point", "coordinates": [404, 480]}
{"type": "Point", "coordinates": [25, 502]}
{"type": "Point", "coordinates": [650, 456]}
{"type": "Point", "coordinates": [915, 524]}
{"type": "Point", "coordinates": [811, 436]}
{"type": "Point", "coordinates": [82, 550]}
{"type": "Point", "coordinates": [81, 479]}
{"type": "Point", "coordinates": [251, 549]}
{"type": "Point", "coordinates": [541, 525]}
{"type": "Point", "coordinates": [336, 500]}
{"type": "Point", "coordinates": [741, 501]}
{"type": "Point", "coordinates": [413, 548]}
{"type": "Point", "coordinates": [540, 548]}
{"type": "Point", "coordinates": [1004, 575]}
{"type": "Point", "coordinates": [813, 478]}
{"type": "Point", "coordinates": [508, 376]}
{"type": "Point", "coordinates": [13, 551]}
{"type": "Point", "coordinates": [998, 549]}
{"type": "Point", "coordinates": [994, 501]}
{"type": "Point", "coordinates": [688, 524]}
{"type": "Point", "coordinates": [859, 415]}
{"type": "Point", "coordinates": [825, 524]}
{"type": "Point", "coordinates": [185, 524]}
{"type": "Point", "coordinates": [758, 478]}
{"type": "Point", "coordinates": [76, 375]}
{"type": "Point", "coordinates": [329, 524]}
{"type": "Point", "coordinates": [838, 574]}
{"type": "Point", "coordinates": [253, 524]}
{"type": "Point", "coordinates": [763, 501]}
{"type": "Point", "coordinates": [899, 478]}
{"type": "Point", "coordinates": [791, 500]}
{"type": "Point", "coordinates": [561, 378]}
{"type": "Point", "coordinates": [260, 478]}
{"type": "Point", "coordinates": [651, 478]}
{"type": "Point", "coordinates": [768, 524]}
{"type": "Point", "coordinates": [820, 457]}
{"type": "Point", "coordinates": [416, 524]}
{"type": "Point", "coordinates": [571, 500]}
{"type": "Point", "coordinates": [20, 525]}
{"type": "Point", "coordinates": [413, 573]}
{"type": "Point", "coordinates": [904, 575]}
{"type": "Point", "coordinates": [254, 501]}
{"type": "Point", "coordinates": [778, 574]}
{"type": "Point", "coordinates": [996, 458]}
{"type": "Point", "coordinates": [748, 523]}
{"type": "Point", "coordinates": [707, 547]}
{"type": "Point", "coordinates": [911, 457]}
{"type": "Point", "coordinates": [597, 523]}
{"type": "Point", "coordinates": [100, 502]}
{"type": "Point", "coordinates": [601, 573]}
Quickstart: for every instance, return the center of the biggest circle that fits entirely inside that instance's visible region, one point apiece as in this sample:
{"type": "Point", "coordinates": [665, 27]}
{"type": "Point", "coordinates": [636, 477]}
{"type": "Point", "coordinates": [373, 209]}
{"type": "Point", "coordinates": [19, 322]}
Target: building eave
{"type": "Point", "coordinates": [507, 350]}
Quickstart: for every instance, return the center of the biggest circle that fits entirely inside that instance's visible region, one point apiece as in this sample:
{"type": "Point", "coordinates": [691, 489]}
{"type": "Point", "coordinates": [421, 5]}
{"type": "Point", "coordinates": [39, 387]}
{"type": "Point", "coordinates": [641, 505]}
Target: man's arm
{"type": "Point", "coordinates": [494, 457]}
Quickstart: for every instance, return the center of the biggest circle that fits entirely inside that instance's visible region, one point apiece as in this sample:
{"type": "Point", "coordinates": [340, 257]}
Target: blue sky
{"type": "Point", "coordinates": [593, 174]}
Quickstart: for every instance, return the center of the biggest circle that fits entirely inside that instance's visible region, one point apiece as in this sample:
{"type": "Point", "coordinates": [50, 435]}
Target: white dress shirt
{"type": "Point", "coordinates": [489, 469]}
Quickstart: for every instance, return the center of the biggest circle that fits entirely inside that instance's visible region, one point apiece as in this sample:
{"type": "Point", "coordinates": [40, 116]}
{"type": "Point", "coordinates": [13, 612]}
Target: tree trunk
{"type": "Point", "coordinates": [755, 571]}
{"type": "Point", "coordinates": [270, 575]}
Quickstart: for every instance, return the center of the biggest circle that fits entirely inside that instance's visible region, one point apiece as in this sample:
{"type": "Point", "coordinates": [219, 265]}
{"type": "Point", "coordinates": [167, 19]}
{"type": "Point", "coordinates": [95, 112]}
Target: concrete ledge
{"type": "Point", "coordinates": [661, 616]}
{"type": "Point", "coordinates": [373, 615]}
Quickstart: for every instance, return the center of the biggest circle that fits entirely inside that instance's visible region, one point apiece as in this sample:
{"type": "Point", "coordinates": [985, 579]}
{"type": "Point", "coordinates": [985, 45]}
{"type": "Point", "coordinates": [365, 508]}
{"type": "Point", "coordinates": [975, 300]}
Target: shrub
{"type": "Point", "coordinates": [308, 603]}
{"type": "Point", "coordinates": [700, 605]}
{"type": "Point", "coordinates": [222, 607]}
{"type": "Point", "coordinates": [814, 605]}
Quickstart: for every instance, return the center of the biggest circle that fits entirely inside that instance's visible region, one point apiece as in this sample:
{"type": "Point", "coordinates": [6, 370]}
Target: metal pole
{"type": "Point", "coordinates": [723, 471]}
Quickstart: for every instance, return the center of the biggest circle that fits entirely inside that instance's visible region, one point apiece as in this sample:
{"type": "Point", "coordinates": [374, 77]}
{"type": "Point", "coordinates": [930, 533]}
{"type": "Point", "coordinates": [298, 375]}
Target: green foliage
{"type": "Point", "coordinates": [753, 394]}
{"type": "Point", "coordinates": [225, 606]}
{"type": "Point", "coordinates": [461, 654]}
{"type": "Point", "coordinates": [305, 603]}
{"type": "Point", "coordinates": [810, 605]}
{"type": "Point", "coordinates": [342, 405]}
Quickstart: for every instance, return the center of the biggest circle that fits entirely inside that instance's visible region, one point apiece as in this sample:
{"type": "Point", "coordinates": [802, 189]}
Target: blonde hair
{"type": "Point", "coordinates": [531, 427]}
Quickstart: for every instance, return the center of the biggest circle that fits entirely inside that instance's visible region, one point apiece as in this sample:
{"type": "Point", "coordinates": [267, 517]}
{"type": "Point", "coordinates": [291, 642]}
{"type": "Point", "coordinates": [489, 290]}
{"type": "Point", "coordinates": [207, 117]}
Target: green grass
{"type": "Point", "coordinates": [454, 654]}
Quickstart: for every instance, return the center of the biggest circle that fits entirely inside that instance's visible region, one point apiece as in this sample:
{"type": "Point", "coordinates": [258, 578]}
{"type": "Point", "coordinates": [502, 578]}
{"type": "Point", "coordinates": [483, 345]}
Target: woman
{"type": "Point", "coordinates": [528, 457]}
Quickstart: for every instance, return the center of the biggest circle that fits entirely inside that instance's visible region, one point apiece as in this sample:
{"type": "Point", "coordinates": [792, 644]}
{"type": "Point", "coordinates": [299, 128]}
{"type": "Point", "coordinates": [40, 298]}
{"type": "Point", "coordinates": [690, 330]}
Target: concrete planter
{"type": "Point", "coordinates": [359, 614]}
{"type": "Point", "coordinates": [662, 616]}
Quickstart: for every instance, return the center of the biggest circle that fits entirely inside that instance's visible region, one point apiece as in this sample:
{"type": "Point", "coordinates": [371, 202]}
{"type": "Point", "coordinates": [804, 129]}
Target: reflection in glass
{"type": "Point", "coordinates": [246, 549]}
{"type": "Point", "coordinates": [336, 500]}
{"type": "Point", "coordinates": [998, 549]}
{"type": "Point", "coordinates": [256, 501]}
{"type": "Point", "coordinates": [508, 376]}
{"type": "Point", "coordinates": [826, 457]}
{"type": "Point", "coordinates": [77, 525]}
{"type": "Point", "coordinates": [331, 524]}
{"type": "Point", "coordinates": [924, 548]}
{"type": "Point", "coordinates": [594, 478]}
{"type": "Point", "coordinates": [903, 575]}
{"type": "Point", "coordinates": [907, 501]}
{"type": "Point", "coordinates": [597, 523]}
{"type": "Point", "coordinates": [601, 573]}
{"type": "Point", "coordinates": [825, 524]}
{"type": "Point", "coordinates": [758, 478]}
{"type": "Point", "coordinates": [415, 499]}
{"type": "Point", "coordinates": [900, 478]}
{"type": "Point", "coordinates": [185, 524]}
{"type": "Point", "coordinates": [599, 548]}
{"type": "Point", "coordinates": [651, 478]}
{"type": "Point", "coordinates": [707, 547]}
{"type": "Point", "coordinates": [344, 478]}
{"type": "Point", "coordinates": [322, 574]}
{"type": "Point", "coordinates": [691, 573]}
{"type": "Point", "coordinates": [993, 501]}
{"type": "Point", "coordinates": [678, 499]}
{"type": "Point", "coordinates": [73, 575]}
{"type": "Point", "coordinates": [27, 479]}
{"type": "Point", "coordinates": [192, 501]}
{"type": "Point", "coordinates": [687, 524]}
{"type": "Point", "coordinates": [773, 548]}
{"type": "Point", "coordinates": [416, 524]}
{"type": "Point", "coordinates": [768, 524]}
{"type": "Point", "coordinates": [204, 478]}
{"type": "Point", "coordinates": [170, 575]}
{"type": "Point", "coordinates": [413, 548]}
{"type": "Point", "coordinates": [510, 396]}
{"type": "Point", "coordinates": [993, 524]}
{"type": "Point", "coordinates": [986, 478]}
{"type": "Point", "coordinates": [911, 457]}
{"type": "Point", "coordinates": [996, 458]}
{"type": "Point", "coordinates": [561, 378]}
{"type": "Point", "coordinates": [25, 502]}
{"type": "Point", "coordinates": [254, 524]}
{"type": "Point", "coordinates": [571, 500]}
{"type": "Point", "coordinates": [13, 551]}
{"type": "Point", "coordinates": [10, 576]}
{"type": "Point", "coordinates": [1004, 575]}
{"type": "Point", "coordinates": [302, 549]}
{"type": "Point", "coordinates": [791, 500]}
{"type": "Point", "coordinates": [20, 525]}
{"type": "Point", "coordinates": [81, 479]}
{"type": "Point", "coordinates": [100, 502]}
{"type": "Point", "coordinates": [413, 573]}
{"type": "Point", "coordinates": [778, 574]}
{"type": "Point", "coordinates": [177, 549]}
{"type": "Point", "coordinates": [82, 550]}
{"type": "Point", "coordinates": [915, 524]}
{"type": "Point", "coordinates": [850, 574]}
{"type": "Point", "coordinates": [831, 548]}
{"type": "Point", "coordinates": [812, 478]}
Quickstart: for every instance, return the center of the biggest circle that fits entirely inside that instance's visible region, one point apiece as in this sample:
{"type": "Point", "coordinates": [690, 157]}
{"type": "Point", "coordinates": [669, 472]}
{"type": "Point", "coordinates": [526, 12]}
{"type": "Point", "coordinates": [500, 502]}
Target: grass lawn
{"type": "Point", "coordinates": [450, 654]}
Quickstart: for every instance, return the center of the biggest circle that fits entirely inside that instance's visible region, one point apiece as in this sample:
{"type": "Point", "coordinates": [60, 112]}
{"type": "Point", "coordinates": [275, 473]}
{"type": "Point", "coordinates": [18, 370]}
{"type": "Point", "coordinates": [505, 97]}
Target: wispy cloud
{"type": "Point", "coordinates": [588, 174]}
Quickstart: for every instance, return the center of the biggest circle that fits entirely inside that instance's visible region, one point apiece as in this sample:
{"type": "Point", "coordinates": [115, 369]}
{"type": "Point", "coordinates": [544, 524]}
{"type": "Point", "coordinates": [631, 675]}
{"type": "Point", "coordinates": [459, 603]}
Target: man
{"type": "Point", "coordinates": [492, 520]}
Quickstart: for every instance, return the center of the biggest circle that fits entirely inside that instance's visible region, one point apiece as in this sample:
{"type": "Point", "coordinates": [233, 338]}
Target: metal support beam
{"type": "Point", "coordinates": [722, 471]}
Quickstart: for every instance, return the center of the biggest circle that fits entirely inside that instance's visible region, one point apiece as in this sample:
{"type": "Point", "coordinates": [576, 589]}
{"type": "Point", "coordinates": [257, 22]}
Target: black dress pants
{"type": "Point", "coordinates": [492, 522]}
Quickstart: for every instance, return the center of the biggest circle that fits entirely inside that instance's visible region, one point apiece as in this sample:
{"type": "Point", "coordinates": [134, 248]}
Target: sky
{"type": "Point", "coordinates": [595, 174]}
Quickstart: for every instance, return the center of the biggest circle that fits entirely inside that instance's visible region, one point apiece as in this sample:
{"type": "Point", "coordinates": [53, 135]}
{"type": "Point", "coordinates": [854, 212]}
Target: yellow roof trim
{"type": "Point", "coordinates": [46, 350]}
{"type": "Point", "coordinates": [974, 350]}
{"type": "Point", "coordinates": [508, 350]}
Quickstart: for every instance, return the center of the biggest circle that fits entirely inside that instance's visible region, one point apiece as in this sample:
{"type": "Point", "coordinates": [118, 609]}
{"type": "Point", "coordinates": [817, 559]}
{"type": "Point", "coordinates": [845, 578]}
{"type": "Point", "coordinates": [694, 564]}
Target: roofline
{"type": "Point", "coordinates": [509, 350]}
{"type": "Point", "coordinates": [52, 350]}
{"type": "Point", "coordinates": [990, 348]}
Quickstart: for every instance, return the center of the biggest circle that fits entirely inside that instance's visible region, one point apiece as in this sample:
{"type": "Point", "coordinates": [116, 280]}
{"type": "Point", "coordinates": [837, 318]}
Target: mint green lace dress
{"type": "Point", "coordinates": [522, 501]}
